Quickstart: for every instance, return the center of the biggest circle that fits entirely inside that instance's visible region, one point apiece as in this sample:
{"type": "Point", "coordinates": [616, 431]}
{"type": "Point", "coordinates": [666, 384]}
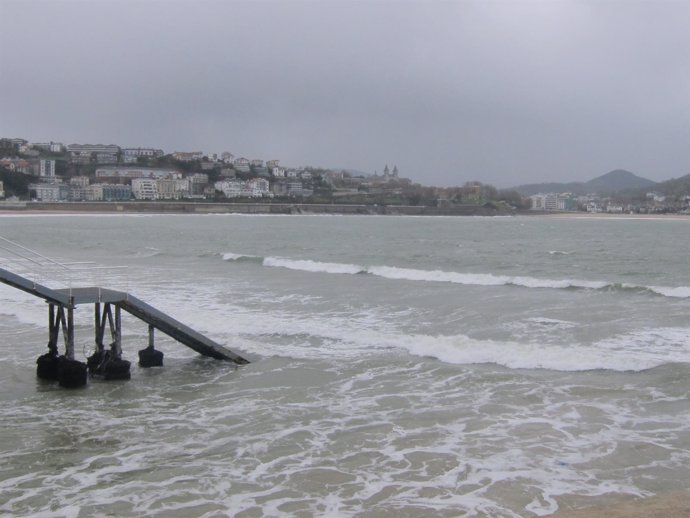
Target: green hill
{"type": "Point", "coordinates": [611, 182]}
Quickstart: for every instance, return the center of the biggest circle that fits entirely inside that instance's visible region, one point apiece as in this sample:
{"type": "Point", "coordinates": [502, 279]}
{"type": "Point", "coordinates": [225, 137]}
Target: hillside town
{"type": "Point", "coordinates": [55, 172]}
{"type": "Point", "coordinates": [88, 172]}
{"type": "Point", "coordinates": [652, 203]}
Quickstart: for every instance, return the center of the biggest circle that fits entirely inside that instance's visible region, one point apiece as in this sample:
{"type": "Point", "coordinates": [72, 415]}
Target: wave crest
{"type": "Point", "coordinates": [474, 279]}
{"type": "Point", "coordinates": [313, 266]}
{"type": "Point", "coordinates": [613, 354]}
{"type": "Point", "coordinates": [229, 256]}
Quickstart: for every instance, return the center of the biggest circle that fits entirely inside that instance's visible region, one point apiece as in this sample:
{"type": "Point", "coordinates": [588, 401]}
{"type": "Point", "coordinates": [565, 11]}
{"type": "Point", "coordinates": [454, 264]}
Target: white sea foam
{"type": "Point", "coordinates": [287, 333]}
{"type": "Point", "coordinates": [312, 266]}
{"type": "Point", "coordinates": [552, 322]}
{"type": "Point", "coordinates": [474, 279]}
{"type": "Point", "coordinates": [614, 354]}
{"type": "Point", "coordinates": [352, 406]}
{"type": "Point", "coordinates": [22, 307]}
{"type": "Point", "coordinates": [682, 292]}
{"type": "Point", "coordinates": [148, 252]}
{"type": "Point", "coordinates": [229, 256]}
{"type": "Point", "coordinates": [413, 274]}
{"type": "Point", "coordinates": [481, 279]}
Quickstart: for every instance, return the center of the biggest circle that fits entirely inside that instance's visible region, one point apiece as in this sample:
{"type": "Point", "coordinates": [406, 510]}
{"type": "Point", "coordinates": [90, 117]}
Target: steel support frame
{"type": "Point", "coordinates": [57, 321]}
{"type": "Point", "coordinates": [101, 318]}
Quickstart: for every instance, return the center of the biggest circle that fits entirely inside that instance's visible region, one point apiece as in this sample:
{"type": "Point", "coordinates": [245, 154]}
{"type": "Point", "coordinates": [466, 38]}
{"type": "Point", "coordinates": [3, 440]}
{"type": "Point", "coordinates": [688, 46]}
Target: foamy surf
{"type": "Point", "coordinates": [241, 257]}
{"type": "Point", "coordinates": [442, 276]}
{"type": "Point", "coordinates": [628, 352]}
{"type": "Point", "coordinates": [366, 395]}
{"type": "Point", "coordinates": [682, 292]}
{"type": "Point", "coordinates": [313, 266]}
{"type": "Point", "coordinates": [285, 333]}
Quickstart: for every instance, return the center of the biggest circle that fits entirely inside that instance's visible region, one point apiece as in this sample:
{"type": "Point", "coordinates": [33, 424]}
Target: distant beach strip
{"type": "Point", "coordinates": [168, 207]}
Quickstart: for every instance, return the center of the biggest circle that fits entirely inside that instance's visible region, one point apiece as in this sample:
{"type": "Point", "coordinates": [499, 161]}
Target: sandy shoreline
{"type": "Point", "coordinates": [46, 208]}
{"type": "Point", "coordinates": [589, 215]}
{"type": "Point", "coordinates": [675, 504]}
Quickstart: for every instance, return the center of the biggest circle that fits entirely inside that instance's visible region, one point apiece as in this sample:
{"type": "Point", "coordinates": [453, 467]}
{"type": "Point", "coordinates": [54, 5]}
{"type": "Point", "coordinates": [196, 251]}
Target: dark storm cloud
{"type": "Point", "coordinates": [504, 92]}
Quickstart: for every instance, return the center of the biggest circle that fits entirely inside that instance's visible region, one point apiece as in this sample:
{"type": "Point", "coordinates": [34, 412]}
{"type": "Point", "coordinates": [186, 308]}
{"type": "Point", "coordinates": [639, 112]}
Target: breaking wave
{"type": "Point", "coordinates": [242, 258]}
{"type": "Point", "coordinates": [635, 351]}
{"type": "Point", "coordinates": [473, 279]}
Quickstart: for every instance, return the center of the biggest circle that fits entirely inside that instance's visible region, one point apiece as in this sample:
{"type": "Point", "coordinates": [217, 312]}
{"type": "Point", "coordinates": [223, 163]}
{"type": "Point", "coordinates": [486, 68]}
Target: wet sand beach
{"type": "Point", "coordinates": [670, 505]}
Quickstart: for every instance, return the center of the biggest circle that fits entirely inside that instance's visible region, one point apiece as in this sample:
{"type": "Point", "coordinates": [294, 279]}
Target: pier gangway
{"type": "Point", "coordinates": [23, 268]}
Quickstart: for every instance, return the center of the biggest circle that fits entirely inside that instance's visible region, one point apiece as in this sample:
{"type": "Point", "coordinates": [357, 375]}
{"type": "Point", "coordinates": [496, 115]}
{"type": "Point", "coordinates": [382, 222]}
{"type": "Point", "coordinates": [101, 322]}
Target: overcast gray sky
{"type": "Point", "coordinates": [505, 92]}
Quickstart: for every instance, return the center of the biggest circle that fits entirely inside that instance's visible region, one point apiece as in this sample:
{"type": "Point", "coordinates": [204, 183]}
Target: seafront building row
{"type": "Point", "coordinates": [564, 202]}
{"type": "Point", "coordinates": [144, 184]}
{"type": "Point", "coordinates": [94, 172]}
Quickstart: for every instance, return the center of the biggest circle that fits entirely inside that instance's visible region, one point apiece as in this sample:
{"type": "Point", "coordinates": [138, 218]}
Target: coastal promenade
{"type": "Point", "coordinates": [172, 207]}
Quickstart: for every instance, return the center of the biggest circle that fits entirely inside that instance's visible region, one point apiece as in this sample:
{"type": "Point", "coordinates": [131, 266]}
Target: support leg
{"type": "Point", "coordinates": [47, 364]}
{"type": "Point", "coordinates": [115, 368]}
{"type": "Point", "coordinates": [149, 357]}
{"type": "Point", "coordinates": [69, 338]}
{"type": "Point", "coordinates": [95, 361]}
{"type": "Point", "coordinates": [71, 373]}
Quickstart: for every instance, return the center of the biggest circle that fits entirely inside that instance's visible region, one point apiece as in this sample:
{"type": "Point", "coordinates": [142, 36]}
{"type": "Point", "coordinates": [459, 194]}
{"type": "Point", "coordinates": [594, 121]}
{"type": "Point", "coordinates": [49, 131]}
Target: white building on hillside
{"type": "Point", "coordinates": [242, 165]}
{"type": "Point", "coordinates": [130, 155]}
{"type": "Point", "coordinates": [84, 153]}
{"type": "Point", "coordinates": [547, 201]}
{"type": "Point", "coordinates": [135, 172]}
{"type": "Point", "coordinates": [254, 188]}
{"type": "Point", "coordinates": [50, 191]}
{"type": "Point", "coordinates": [230, 188]}
{"type": "Point", "coordinates": [53, 147]}
{"type": "Point", "coordinates": [185, 156]}
{"type": "Point", "coordinates": [145, 188]}
{"type": "Point", "coordinates": [46, 168]}
{"type": "Point", "coordinates": [258, 187]}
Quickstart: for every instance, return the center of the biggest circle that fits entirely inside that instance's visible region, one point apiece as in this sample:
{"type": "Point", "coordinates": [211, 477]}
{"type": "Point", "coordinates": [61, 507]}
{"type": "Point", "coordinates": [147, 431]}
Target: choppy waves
{"type": "Point", "coordinates": [635, 351]}
{"type": "Point", "coordinates": [475, 279]}
{"type": "Point", "coordinates": [289, 333]}
{"type": "Point", "coordinates": [277, 440]}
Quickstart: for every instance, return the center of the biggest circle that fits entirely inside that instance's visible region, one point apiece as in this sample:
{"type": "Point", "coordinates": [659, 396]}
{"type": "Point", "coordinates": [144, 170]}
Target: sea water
{"type": "Point", "coordinates": [401, 366]}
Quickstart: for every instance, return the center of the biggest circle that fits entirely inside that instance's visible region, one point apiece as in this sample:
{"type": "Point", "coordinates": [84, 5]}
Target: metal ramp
{"type": "Point", "coordinates": [70, 297]}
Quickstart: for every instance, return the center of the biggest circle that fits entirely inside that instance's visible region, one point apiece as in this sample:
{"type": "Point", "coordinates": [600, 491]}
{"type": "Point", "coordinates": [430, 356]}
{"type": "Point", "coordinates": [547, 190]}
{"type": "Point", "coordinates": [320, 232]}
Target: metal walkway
{"type": "Point", "coordinates": [72, 297]}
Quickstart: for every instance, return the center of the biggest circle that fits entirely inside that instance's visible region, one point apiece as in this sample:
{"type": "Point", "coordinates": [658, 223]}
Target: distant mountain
{"type": "Point", "coordinates": [614, 181]}
{"type": "Point", "coordinates": [618, 180]}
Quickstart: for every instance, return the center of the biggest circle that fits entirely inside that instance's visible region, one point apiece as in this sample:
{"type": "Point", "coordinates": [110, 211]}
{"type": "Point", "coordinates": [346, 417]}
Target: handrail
{"type": "Point", "coordinates": [40, 267]}
{"type": "Point", "coordinates": [33, 252]}
{"type": "Point", "coordinates": [13, 252]}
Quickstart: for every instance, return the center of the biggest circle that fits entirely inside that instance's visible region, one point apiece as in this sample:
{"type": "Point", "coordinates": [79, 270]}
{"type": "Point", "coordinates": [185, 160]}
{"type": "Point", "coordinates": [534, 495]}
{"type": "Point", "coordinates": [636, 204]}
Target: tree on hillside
{"type": "Point", "coordinates": [15, 184]}
{"type": "Point", "coordinates": [513, 198]}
